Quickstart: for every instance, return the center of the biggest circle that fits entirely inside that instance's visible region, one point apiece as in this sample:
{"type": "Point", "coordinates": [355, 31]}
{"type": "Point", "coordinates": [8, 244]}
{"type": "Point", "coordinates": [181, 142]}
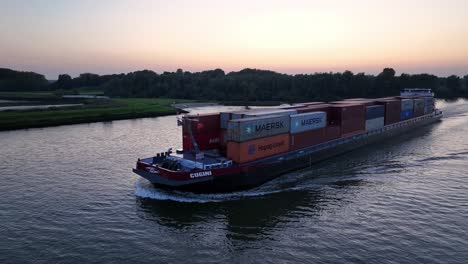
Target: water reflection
{"type": "Point", "coordinates": [253, 217]}
{"type": "Point", "coordinates": [245, 219]}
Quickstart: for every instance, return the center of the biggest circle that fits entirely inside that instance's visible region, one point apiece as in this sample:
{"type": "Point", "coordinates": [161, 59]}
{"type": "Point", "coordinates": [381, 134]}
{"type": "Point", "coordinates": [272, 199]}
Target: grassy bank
{"type": "Point", "coordinates": [91, 111]}
{"type": "Point", "coordinates": [28, 95]}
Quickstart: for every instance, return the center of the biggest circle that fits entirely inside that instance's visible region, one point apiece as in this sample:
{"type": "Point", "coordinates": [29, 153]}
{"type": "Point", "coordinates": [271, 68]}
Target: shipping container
{"type": "Point", "coordinates": [224, 119]}
{"type": "Point", "coordinates": [242, 152]}
{"type": "Point", "coordinates": [223, 137]}
{"type": "Point", "coordinates": [293, 107]}
{"type": "Point", "coordinates": [202, 123]}
{"type": "Point", "coordinates": [314, 108]}
{"type": "Point", "coordinates": [307, 121]}
{"type": "Point", "coordinates": [406, 114]}
{"type": "Point", "coordinates": [205, 141]}
{"type": "Point", "coordinates": [347, 111]}
{"type": "Point", "coordinates": [418, 107]}
{"type": "Point", "coordinates": [365, 102]}
{"type": "Point", "coordinates": [350, 117]}
{"type": "Point", "coordinates": [375, 111]}
{"type": "Point", "coordinates": [246, 129]}
{"type": "Point", "coordinates": [376, 123]}
{"type": "Point", "coordinates": [392, 110]}
{"type": "Point", "coordinates": [419, 103]}
{"type": "Point", "coordinates": [356, 99]}
{"type": "Point", "coordinates": [332, 132]}
{"type": "Point", "coordinates": [428, 105]}
{"type": "Point", "coordinates": [308, 138]}
{"type": "Point", "coordinates": [353, 125]}
{"type": "Point", "coordinates": [269, 112]}
{"type": "Point", "coordinates": [241, 113]}
{"type": "Point", "coordinates": [314, 137]}
{"type": "Point", "coordinates": [312, 103]}
{"type": "Point", "coordinates": [406, 104]}
{"type": "Point", "coordinates": [428, 100]}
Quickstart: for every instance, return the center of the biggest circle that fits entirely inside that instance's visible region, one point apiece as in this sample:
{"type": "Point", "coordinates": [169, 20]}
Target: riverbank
{"type": "Point", "coordinates": [83, 110]}
{"type": "Point", "coordinates": [90, 111]}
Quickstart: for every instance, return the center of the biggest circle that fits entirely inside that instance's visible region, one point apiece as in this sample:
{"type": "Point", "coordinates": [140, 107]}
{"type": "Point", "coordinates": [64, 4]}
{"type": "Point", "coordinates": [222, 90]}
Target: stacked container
{"type": "Point", "coordinates": [205, 129]}
{"type": "Point", "coordinates": [375, 117]}
{"type": "Point", "coordinates": [246, 151]}
{"type": "Point", "coordinates": [312, 103]}
{"type": "Point", "coordinates": [392, 110]}
{"type": "Point", "coordinates": [246, 129]}
{"type": "Point", "coordinates": [350, 117]}
{"type": "Point", "coordinates": [428, 105]}
{"type": "Point", "coordinates": [314, 108]}
{"type": "Point", "coordinates": [250, 139]}
{"type": "Point", "coordinates": [225, 117]}
{"type": "Point", "coordinates": [307, 121]}
{"type": "Point", "coordinates": [418, 107]}
{"type": "Point", "coordinates": [314, 137]}
{"type": "Point", "coordinates": [293, 106]}
{"type": "Point", "coordinates": [406, 109]}
{"type": "Point", "coordinates": [267, 112]}
{"type": "Point", "coordinates": [308, 129]}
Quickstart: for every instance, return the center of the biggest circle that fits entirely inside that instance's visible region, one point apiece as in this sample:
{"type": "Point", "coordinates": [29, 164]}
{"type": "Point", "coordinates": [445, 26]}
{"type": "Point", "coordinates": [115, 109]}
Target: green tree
{"type": "Point", "coordinates": [64, 82]}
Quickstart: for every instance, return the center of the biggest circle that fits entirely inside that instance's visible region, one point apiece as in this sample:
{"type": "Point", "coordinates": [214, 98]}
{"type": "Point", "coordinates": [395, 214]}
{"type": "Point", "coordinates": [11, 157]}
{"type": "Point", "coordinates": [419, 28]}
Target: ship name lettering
{"type": "Point", "coordinates": [200, 174]}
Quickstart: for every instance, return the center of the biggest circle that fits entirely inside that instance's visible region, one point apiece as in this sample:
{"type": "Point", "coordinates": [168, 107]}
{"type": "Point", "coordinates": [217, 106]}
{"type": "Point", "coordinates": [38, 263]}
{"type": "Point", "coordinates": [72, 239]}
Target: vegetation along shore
{"type": "Point", "coordinates": [145, 93]}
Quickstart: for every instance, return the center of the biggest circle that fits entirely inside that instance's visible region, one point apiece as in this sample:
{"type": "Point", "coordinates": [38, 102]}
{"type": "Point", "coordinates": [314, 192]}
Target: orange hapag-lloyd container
{"type": "Point", "coordinates": [242, 152]}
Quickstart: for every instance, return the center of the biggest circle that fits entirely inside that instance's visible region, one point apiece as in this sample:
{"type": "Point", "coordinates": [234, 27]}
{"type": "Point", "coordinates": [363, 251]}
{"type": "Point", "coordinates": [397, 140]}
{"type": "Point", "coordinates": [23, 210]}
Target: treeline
{"type": "Point", "coordinates": [11, 80]}
{"type": "Point", "coordinates": [261, 85]}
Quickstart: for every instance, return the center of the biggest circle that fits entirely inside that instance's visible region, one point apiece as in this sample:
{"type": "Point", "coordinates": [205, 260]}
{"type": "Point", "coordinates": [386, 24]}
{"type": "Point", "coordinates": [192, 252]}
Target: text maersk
{"type": "Point", "coordinates": [269, 126]}
{"type": "Point", "coordinates": [311, 121]}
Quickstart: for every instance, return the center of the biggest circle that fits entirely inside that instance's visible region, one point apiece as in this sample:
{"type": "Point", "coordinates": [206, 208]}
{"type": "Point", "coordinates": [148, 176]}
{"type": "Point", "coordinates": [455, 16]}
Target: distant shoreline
{"type": "Point", "coordinates": [87, 111]}
{"type": "Point", "coordinates": [85, 120]}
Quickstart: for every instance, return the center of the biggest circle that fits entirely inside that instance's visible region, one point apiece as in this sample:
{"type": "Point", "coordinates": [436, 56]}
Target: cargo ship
{"type": "Point", "coordinates": [238, 150]}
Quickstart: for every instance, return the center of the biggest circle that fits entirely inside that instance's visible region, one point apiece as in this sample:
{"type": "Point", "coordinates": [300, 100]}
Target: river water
{"type": "Point", "coordinates": [67, 195]}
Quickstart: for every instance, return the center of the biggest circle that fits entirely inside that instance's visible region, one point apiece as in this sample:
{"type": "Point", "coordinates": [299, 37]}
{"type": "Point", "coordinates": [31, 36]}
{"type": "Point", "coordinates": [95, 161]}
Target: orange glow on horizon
{"type": "Point", "coordinates": [297, 36]}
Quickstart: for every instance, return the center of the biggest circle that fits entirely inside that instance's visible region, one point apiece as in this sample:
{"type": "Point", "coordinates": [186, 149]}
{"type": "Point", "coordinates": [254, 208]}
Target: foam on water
{"type": "Point", "coordinates": [146, 190]}
{"type": "Point", "coordinates": [296, 181]}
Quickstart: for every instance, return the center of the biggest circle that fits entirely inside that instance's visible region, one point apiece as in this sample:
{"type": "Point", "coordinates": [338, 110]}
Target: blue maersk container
{"type": "Point", "coordinates": [308, 121]}
{"type": "Point", "coordinates": [406, 114]}
{"type": "Point", "coordinates": [375, 111]}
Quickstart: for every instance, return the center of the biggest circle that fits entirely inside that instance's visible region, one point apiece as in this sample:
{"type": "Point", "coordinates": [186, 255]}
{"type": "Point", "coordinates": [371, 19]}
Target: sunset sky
{"type": "Point", "coordinates": [294, 36]}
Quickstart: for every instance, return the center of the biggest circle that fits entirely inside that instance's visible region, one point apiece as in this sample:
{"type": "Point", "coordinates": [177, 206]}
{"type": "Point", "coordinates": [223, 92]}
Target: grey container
{"type": "Point", "coordinates": [308, 121]}
{"type": "Point", "coordinates": [257, 112]}
{"type": "Point", "coordinates": [375, 123]}
{"type": "Point", "coordinates": [269, 112]}
{"type": "Point", "coordinates": [406, 104]}
{"type": "Point", "coordinates": [241, 130]}
{"type": "Point", "coordinates": [224, 119]}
